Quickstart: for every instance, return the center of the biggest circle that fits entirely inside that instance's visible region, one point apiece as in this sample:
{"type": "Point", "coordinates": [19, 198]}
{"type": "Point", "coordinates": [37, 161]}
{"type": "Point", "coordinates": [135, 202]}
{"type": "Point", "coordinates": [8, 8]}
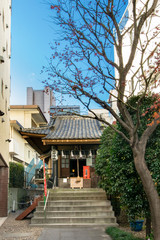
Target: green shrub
{"type": "Point", "coordinates": [117, 234]}
{"type": "Point", "coordinates": [16, 175]}
{"type": "Point", "coordinates": [115, 202]}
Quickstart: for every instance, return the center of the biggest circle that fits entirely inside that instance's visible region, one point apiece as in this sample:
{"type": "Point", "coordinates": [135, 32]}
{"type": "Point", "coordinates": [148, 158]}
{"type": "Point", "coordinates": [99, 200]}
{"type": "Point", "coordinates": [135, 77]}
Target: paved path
{"type": "Point", "coordinates": [74, 234]}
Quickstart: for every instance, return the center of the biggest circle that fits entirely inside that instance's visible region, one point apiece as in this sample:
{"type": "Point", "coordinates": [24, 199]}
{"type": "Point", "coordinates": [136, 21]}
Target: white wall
{"type": "Point", "coordinates": [134, 81]}
{"type": "Point", "coordinates": [20, 150]}
{"type": "Point", "coordinates": [16, 145]}
{"type": "Point", "coordinates": [5, 54]}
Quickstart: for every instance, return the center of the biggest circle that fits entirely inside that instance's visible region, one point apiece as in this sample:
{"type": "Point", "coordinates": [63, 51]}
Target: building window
{"type": "Point", "coordinates": [65, 163]}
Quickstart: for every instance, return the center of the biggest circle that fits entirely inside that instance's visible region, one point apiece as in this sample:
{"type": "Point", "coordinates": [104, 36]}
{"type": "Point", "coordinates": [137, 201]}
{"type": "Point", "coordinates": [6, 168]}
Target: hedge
{"type": "Point", "coordinates": [16, 173]}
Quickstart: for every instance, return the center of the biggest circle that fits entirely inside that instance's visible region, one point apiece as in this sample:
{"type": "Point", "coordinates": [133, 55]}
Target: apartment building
{"type": "Point", "coordinates": [147, 50]}
{"type": "Point", "coordinates": [5, 55]}
{"type": "Point", "coordinates": [43, 98]}
{"type": "Point", "coordinates": [24, 116]}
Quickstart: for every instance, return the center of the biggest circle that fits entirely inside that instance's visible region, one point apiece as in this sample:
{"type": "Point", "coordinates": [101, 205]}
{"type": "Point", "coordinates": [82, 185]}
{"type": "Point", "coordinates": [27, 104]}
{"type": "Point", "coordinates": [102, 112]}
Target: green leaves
{"type": "Point", "coordinates": [118, 234]}
{"type": "Point", "coordinates": [16, 179]}
{"type": "Point", "coordinates": [116, 167]}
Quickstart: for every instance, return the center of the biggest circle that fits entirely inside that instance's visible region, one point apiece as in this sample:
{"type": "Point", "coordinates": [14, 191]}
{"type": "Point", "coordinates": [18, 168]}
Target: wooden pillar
{"type": "Point", "coordinates": [59, 166]}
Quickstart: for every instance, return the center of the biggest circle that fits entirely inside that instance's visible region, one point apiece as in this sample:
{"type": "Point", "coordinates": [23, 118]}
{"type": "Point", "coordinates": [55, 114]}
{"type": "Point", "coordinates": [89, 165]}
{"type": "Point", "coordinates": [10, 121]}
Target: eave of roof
{"type": "Point", "coordinates": [16, 124]}
{"type": "Point", "coordinates": [32, 134]}
{"type": "Point", "coordinates": [70, 141]}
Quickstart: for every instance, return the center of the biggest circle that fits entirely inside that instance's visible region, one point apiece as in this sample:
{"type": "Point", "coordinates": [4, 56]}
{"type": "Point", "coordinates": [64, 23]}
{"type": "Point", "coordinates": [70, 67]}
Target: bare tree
{"type": "Point", "coordinates": [83, 65]}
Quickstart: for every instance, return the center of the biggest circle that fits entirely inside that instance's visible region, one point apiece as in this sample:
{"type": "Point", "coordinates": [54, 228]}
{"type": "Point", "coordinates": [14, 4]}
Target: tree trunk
{"type": "Point", "coordinates": [149, 187]}
{"type": "Point", "coordinates": [148, 226]}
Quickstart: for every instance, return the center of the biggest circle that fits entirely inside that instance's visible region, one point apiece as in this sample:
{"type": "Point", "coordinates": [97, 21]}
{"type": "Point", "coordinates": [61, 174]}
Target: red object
{"type": "Point", "coordinates": [86, 172]}
{"type": "Point", "coordinates": [44, 175]}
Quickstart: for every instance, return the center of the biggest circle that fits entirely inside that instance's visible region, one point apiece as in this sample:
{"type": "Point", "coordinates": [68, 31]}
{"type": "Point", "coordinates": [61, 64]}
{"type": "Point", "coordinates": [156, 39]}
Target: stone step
{"type": "Point", "coordinates": [85, 195]}
{"type": "Point", "coordinates": [54, 198]}
{"type": "Point", "coordinates": [69, 193]}
{"type": "Point", "coordinates": [51, 220]}
{"type": "Point", "coordinates": [75, 208]}
{"type": "Point", "coordinates": [75, 202]}
{"type": "Point", "coordinates": [103, 213]}
{"type": "Point", "coordinates": [77, 190]}
{"type": "Point", "coordinates": [70, 225]}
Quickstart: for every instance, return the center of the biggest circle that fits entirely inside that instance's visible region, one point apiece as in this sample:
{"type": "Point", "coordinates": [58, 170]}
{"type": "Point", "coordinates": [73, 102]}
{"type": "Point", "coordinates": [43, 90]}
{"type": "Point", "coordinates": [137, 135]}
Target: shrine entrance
{"type": "Point", "coordinates": [76, 166]}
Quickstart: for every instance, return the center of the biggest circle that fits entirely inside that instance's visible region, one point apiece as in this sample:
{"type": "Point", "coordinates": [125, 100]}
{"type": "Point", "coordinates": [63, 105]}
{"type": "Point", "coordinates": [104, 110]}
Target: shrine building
{"type": "Point", "coordinates": [69, 146]}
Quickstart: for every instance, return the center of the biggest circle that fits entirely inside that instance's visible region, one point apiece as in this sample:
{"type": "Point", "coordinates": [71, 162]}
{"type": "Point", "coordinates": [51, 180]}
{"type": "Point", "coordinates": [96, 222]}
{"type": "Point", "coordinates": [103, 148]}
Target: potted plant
{"type": "Point", "coordinates": [136, 225]}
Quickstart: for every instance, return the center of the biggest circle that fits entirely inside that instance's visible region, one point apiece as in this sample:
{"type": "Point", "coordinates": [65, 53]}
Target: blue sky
{"type": "Point", "coordinates": [31, 34]}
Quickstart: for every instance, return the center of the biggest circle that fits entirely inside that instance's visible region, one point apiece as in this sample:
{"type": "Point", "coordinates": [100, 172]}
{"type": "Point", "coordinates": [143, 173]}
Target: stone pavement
{"type": "Point", "coordinates": [11, 229]}
{"type": "Point", "coordinates": [74, 234]}
{"type": "Point", "coordinates": [2, 220]}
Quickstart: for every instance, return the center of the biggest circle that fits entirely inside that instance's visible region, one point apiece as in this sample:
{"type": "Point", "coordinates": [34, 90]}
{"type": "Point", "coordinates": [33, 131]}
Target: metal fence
{"type": "Point", "coordinates": [30, 173]}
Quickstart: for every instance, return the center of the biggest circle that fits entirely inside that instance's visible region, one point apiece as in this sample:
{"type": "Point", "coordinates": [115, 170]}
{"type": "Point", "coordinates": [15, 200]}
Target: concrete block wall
{"type": "Point", "coordinates": [15, 196]}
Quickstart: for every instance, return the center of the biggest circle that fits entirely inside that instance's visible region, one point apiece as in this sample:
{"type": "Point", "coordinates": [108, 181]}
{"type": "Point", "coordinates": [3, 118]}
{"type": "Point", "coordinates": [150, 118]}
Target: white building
{"type": "Point", "coordinates": [24, 116]}
{"type": "Point", "coordinates": [5, 55]}
{"type": "Point", "coordinates": [103, 114]}
{"type": "Point", "coordinates": [43, 98]}
{"type": "Point", "coordinates": [147, 49]}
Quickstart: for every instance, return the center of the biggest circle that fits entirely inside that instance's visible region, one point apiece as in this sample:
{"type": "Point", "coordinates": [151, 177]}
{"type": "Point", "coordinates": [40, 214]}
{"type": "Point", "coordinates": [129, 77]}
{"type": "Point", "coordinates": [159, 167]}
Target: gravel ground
{"type": "Point", "coordinates": [13, 229]}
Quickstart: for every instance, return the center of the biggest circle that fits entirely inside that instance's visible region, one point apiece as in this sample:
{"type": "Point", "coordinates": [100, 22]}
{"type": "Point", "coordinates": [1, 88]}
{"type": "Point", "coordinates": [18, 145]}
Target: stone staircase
{"type": "Point", "coordinates": [75, 207]}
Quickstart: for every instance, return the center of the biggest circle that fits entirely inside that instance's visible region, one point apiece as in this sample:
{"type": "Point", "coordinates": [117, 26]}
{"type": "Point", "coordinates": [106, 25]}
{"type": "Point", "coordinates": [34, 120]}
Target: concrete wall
{"type": "Point", "coordinates": [15, 196]}
{"type": "Point", "coordinates": [38, 99]}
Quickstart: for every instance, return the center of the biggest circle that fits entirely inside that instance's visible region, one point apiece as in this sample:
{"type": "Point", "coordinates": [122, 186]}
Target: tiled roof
{"type": "Point", "coordinates": [40, 130]}
{"type": "Point", "coordinates": [70, 128]}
